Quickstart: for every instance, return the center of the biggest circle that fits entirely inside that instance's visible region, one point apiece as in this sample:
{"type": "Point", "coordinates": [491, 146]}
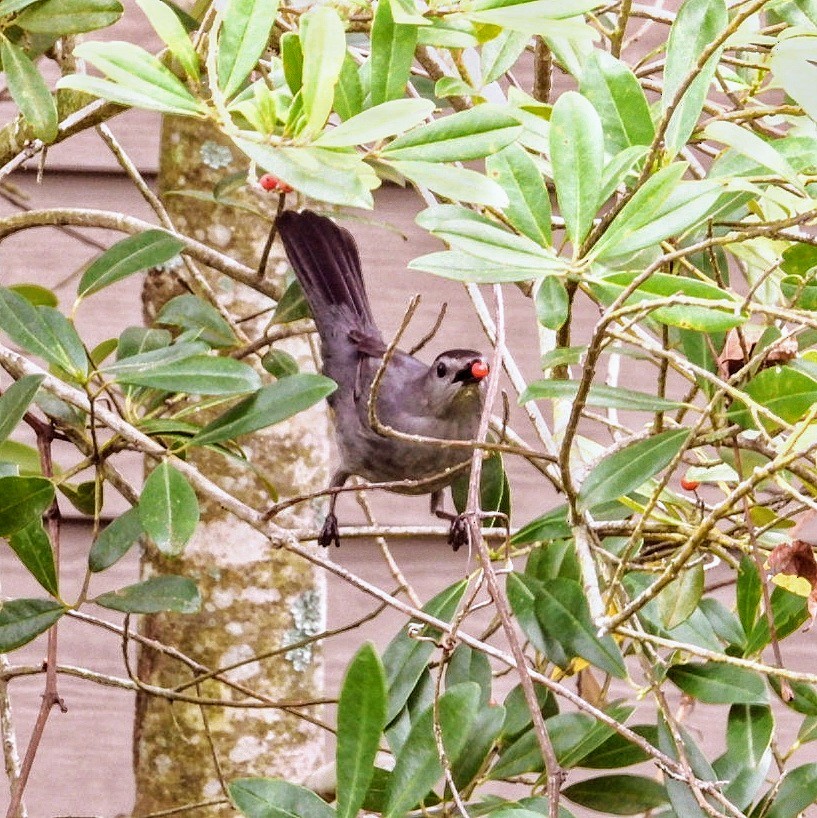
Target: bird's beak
{"type": "Point", "coordinates": [473, 373]}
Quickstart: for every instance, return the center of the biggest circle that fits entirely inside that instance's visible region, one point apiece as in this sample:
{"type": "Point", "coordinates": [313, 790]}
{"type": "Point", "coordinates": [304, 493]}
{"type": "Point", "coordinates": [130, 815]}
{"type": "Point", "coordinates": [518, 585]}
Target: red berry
{"type": "Point", "coordinates": [689, 485]}
{"type": "Point", "coordinates": [270, 182]}
{"type": "Point", "coordinates": [479, 369]}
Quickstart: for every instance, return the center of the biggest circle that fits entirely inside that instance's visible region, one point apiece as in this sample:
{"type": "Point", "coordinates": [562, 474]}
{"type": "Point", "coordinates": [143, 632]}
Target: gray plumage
{"type": "Point", "coordinates": [442, 401]}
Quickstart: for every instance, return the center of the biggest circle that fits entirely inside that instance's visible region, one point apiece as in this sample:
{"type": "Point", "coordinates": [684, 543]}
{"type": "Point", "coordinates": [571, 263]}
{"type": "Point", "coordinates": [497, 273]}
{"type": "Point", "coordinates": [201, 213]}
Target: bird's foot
{"type": "Point", "coordinates": [329, 533]}
{"type": "Point", "coordinates": [458, 534]}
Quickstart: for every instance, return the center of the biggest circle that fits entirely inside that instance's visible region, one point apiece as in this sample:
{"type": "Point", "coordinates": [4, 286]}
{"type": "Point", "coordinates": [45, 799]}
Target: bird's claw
{"type": "Point", "coordinates": [329, 533]}
{"type": "Point", "coordinates": [458, 533]}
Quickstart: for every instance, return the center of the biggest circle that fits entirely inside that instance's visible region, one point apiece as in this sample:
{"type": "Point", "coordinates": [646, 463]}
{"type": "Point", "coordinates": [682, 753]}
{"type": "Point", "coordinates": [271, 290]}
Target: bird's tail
{"type": "Point", "coordinates": [327, 265]}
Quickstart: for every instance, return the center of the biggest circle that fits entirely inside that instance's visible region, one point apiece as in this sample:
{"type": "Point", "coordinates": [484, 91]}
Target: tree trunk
{"type": "Point", "coordinates": [256, 598]}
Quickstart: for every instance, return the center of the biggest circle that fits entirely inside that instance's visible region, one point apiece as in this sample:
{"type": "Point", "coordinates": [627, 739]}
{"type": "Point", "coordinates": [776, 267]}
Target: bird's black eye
{"type": "Point", "coordinates": [442, 370]}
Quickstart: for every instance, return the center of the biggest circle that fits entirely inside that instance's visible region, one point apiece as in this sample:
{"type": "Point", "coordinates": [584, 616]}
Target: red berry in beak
{"type": "Point", "coordinates": [270, 182]}
{"type": "Point", "coordinates": [479, 369]}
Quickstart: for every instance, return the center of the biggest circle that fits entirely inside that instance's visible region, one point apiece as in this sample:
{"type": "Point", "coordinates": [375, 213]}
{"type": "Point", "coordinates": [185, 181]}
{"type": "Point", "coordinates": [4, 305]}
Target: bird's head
{"type": "Point", "coordinates": [454, 379]}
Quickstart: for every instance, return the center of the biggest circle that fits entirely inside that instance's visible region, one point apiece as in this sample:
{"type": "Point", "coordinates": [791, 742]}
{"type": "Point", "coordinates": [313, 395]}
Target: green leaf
{"type": "Point", "coordinates": [788, 613]}
{"type": "Point", "coordinates": [189, 312]}
{"type": "Point", "coordinates": [459, 266]}
{"type": "Point", "coordinates": [361, 719]}
{"type": "Point", "coordinates": [324, 47]}
{"type": "Point", "coordinates": [115, 540]}
{"type": "Point", "coordinates": [617, 751]}
{"type": "Point", "coordinates": [8, 7]}
{"type": "Point", "coordinates": [406, 657]}
{"type": "Point", "coordinates": [377, 123]}
{"type": "Point", "coordinates": [629, 468]}
{"type": "Point", "coordinates": [60, 18]}
{"type": "Point", "coordinates": [168, 509]}
{"type": "Point", "coordinates": [33, 547]}
{"type": "Point", "coordinates": [792, 65]}
{"type": "Point", "coordinates": [392, 53]}
{"type": "Point", "coordinates": [469, 665]}
{"type": "Point", "coordinates": [320, 173]}
{"type": "Point", "coordinates": [749, 732]}
{"type": "Point", "coordinates": [243, 36]}
{"type": "Point", "coordinates": [457, 184]}
{"type": "Point", "coordinates": [348, 91]}
{"type": "Point", "coordinates": [82, 496]}
{"type": "Point", "coordinates": [552, 303]}
{"type": "Point", "coordinates": [291, 306]}
{"type": "Point", "coordinates": [132, 361]}
{"type": "Point", "coordinates": [696, 25]}
{"type": "Point", "coordinates": [501, 53]}
{"type": "Point", "coordinates": [270, 798]}
{"type": "Point", "coordinates": [114, 92]}
{"type": "Point", "coordinates": [715, 683]}
{"type": "Point", "coordinates": [131, 255]}
{"type": "Point", "coordinates": [196, 375]}
{"type": "Point", "coordinates": [517, 713]}
{"type": "Point", "coordinates": [615, 397]}
{"type": "Point", "coordinates": [484, 733]}
{"type": "Point", "coordinates": [550, 526]}
{"type": "Point", "coordinates": [168, 26]}
{"type": "Point", "coordinates": [155, 595]}
{"type": "Point", "coordinates": [618, 794]}
{"type": "Point", "coordinates": [14, 403]}
{"type": "Point", "coordinates": [722, 315]}
{"type": "Point", "coordinates": [22, 501]}
{"type": "Point", "coordinates": [418, 767]}
{"type": "Point", "coordinates": [796, 793]}
{"type": "Point", "coordinates": [36, 295]}
{"type": "Point", "coordinates": [577, 154]}
{"type": "Point", "coordinates": [29, 91]}
{"type": "Point", "coordinates": [561, 608]}
{"type": "Point", "coordinates": [279, 363]}
{"type": "Point", "coordinates": [619, 100]}
{"type": "Point", "coordinates": [42, 331]}
{"type": "Point", "coordinates": [292, 57]}
{"type": "Point", "coordinates": [680, 598]}
{"type": "Point", "coordinates": [522, 591]}
{"type": "Point", "coordinates": [528, 209]}
{"type": "Point", "coordinates": [783, 390]}
{"type": "Point", "coordinates": [748, 593]}
{"type": "Point", "coordinates": [270, 405]}
{"type": "Point", "coordinates": [138, 73]}
{"type": "Point", "coordinates": [23, 619]}
{"type": "Point", "coordinates": [470, 134]}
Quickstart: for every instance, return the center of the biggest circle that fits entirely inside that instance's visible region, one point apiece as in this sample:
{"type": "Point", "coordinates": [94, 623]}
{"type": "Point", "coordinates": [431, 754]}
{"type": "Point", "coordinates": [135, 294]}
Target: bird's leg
{"type": "Point", "coordinates": [458, 533]}
{"type": "Point", "coordinates": [329, 532]}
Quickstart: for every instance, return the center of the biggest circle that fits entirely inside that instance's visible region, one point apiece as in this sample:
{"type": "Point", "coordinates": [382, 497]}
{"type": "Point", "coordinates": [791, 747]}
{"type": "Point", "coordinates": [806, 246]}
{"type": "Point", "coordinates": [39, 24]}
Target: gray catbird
{"type": "Point", "coordinates": [442, 401]}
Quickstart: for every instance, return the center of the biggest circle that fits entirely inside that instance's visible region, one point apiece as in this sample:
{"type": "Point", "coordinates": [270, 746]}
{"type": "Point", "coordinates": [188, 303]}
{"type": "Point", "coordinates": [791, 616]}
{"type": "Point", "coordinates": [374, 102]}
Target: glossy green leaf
{"type": "Point", "coordinates": [189, 312]}
{"type": "Point", "coordinates": [615, 397]}
{"type": "Point", "coordinates": [629, 468]}
{"type": "Point", "coordinates": [470, 134]}
{"type": "Point", "coordinates": [616, 95]}
{"type": "Point", "coordinates": [324, 47]}
{"type": "Point", "coordinates": [128, 256]}
{"type": "Point", "coordinates": [552, 303]}
{"type": "Point", "coordinates": [273, 798]}
{"type": "Point", "coordinates": [14, 402]}
{"type": "Point", "coordinates": [393, 47]}
{"type": "Point", "coordinates": [528, 208]}
{"type": "Point", "coordinates": [23, 619]}
{"type": "Point", "coordinates": [555, 559]}
{"type": "Point", "coordinates": [484, 733]}
{"type": "Point", "coordinates": [269, 405]}
{"type": "Point", "coordinates": [377, 123]}
{"type": "Point", "coordinates": [517, 713]}
{"type": "Point", "coordinates": [680, 598]}
{"type": "Point", "coordinates": [792, 65]}
{"type": "Point", "coordinates": [796, 793]}
{"type": "Point", "coordinates": [35, 294]}
{"type": "Point", "coordinates": [169, 27]}
{"type": "Point", "coordinates": [523, 591]}
{"type": "Point", "coordinates": [469, 665]}
{"type": "Point", "coordinates": [28, 89]}
{"type": "Point", "coordinates": [155, 595]}
{"type": "Point", "coordinates": [8, 7]}
{"type": "Point", "coordinates": [486, 239]}
{"type": "Point", "coordinates": [788, 613]}
{"type": "Point", "coordinates": [121, 95]}
{"type": "Point", "coordinates": [243, 36]}
{"type": "Point", "coordinates": [349, 90]}
{"type": "Point", "coordinates": [618, 794]}
{"type": "Point", "coordinates": [22, 501]}
{"type": "Point", "coordinates": [458, 184]}
{"type": "Point", "coordinates": [722, 315]}
{"type": "Point", "coordinates": [33, 547]}
{"type": "Point", "coordinates": [783, 390]}
{"type": "Point", "coordinates": [361, 719]}
{"type": "Point", "coordinates": [168, 509]}
{"type": "Point", "coordinates": [327, 175]}
{"type": "Point", "coordinates": [280, 363]}
{"type": "Point", "coordinates": [501, 53]}
{"type": "Point", "coordinates": [682, 798]}
{"type": "Point", "coordinates": [418, 767]}
{"type": "Point", "coordinates": [577, 155]}
{"type": "Point", "coordinates": [617, 751]}
{"type": "Point", "coordinates": [60, 18]}
{"type": "Point", "coordinates": [136, 74]}
{"type": "Point", "coordinates": [406, 657]}
{"type": "Point", "coordinates": [550, 526]}
{"type": "Point", "coordinates": [115, 540]}
{"type": "Point", "coordinates": [561, 608]}
{"type": "Point", "coordinates": [459, 266]}
{"type": "Point", "coordinates": [696, 25]}
{"type": "Point", "coordinates": [621, 169]}
{"type": "Point", "coordinates": [83, 496]}
{"type": "Point", "coordinates": [196, 375]}
{"type": "Point", "coordinates": [42, 331]}
{"type": "Point", "coordinates": [715, 683]}
{"type": "Point", "coordinates": [292, 57]}
{"type": "Point", "coordinates": [291, 306]}
{"type": "Point", "coordinates": [749, 732]}
{"type": "Point", "coordinates": [749, 592]}
{"type": "Point", "coordinates": [132, 361]}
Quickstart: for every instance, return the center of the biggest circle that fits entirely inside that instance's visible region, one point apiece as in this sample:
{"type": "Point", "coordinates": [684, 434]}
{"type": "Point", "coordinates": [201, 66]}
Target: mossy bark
{"type": "Point", "coordinates": [255, 598]}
